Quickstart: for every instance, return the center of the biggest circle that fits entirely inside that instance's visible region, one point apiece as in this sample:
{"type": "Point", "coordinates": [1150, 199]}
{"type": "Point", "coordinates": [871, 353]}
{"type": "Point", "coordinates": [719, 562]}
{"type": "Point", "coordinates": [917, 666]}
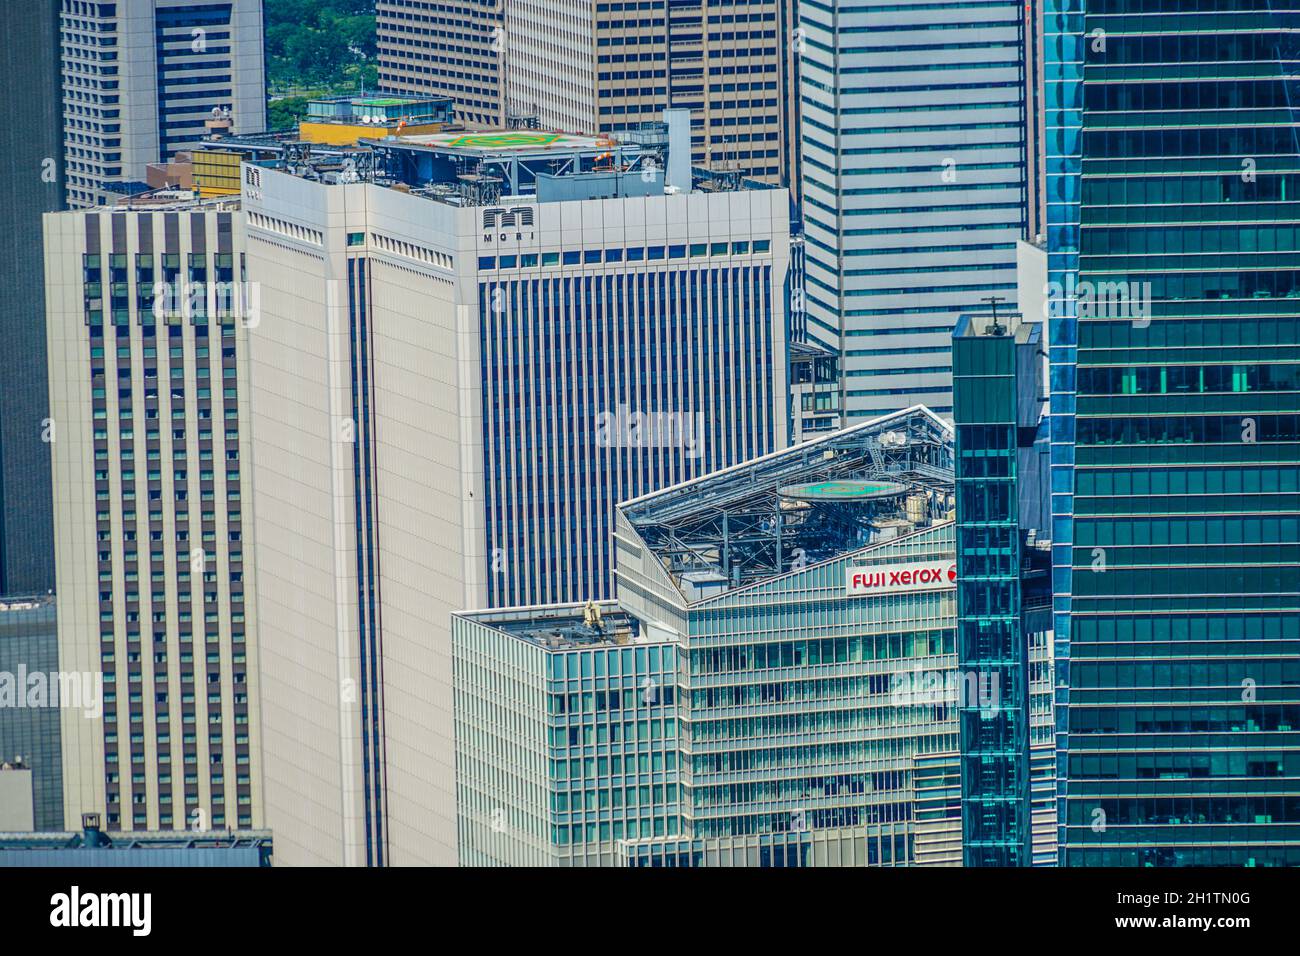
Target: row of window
{"type": "Point", "coordinates": [649, 253]}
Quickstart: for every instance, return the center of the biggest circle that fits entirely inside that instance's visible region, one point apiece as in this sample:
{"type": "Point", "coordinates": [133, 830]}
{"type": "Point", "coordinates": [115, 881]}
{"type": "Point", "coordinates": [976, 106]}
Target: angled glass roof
{"type": "Point", "coordinates": [801, 506]}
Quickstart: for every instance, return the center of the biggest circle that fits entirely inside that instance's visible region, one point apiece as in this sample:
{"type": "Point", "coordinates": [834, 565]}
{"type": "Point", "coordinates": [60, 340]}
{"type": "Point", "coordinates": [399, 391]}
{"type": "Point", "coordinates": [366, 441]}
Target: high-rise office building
{"type": "Point", "coordinates": [1175, 351]}
{"type": "Point", "coordinates": [1003, 562]}
{"type": "Point", "coordinates": [31, 184]}
{"type": "Point", "coordinates": [29, 729]}
{"type": "Point", "coordinates": [1035, 132]}
{"type": "Point", "coordinates": [914, 185]}
{"type": "Point", "coordinates": [777, 684]}
{"type": "Point", "coordinates": [452, 48]}
{"type": "Point", "coordinates": [521, 792]}
{"type": "Point", "coordinates": [148, 320]}
{"type": "Point", "coordinates": [465, 361]}
{"type": "Point", "coordinates": [608, 67]}
{"type": "Point", "coordinates": [142, 77]}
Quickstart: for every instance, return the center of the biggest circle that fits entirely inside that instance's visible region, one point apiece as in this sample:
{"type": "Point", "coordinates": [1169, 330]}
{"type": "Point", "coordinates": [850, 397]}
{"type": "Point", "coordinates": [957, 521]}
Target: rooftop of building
{"type": "Point", "coordinates": [567, 626]}
{"type": "Point", "coordinates": [134, 840]}
{"type": "Point", "coordinates": [484, 167]}
{"type": "Point", "coordinates": [495, 142]}
{"type": "Point", "coordinates": [14, 603]}
{"type": "Point", "coordinates": [997, 324]}
{"type": "Point", "coordinates": [154, 847]}
{"type": "Point", "coordinates": [175, 199]}
{"type": "Point", "coordinates": [381, 109]}
{"type": "Point", "coordinates": [825, 498]}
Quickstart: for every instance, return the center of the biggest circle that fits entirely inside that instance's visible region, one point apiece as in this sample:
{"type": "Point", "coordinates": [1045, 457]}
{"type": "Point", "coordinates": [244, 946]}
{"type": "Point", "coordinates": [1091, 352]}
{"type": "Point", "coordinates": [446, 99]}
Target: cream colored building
{"type": "Point", "coordinates": [152, 515]}
{"type": "Point", "coordinates": [590, 67]}
{"type": "Point", "coordinates": [451, 48]}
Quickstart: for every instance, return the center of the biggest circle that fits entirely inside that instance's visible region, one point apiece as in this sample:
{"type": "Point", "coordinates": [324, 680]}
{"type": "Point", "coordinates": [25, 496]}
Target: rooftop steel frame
{"type": "Point", "coordinates": [735, 527]}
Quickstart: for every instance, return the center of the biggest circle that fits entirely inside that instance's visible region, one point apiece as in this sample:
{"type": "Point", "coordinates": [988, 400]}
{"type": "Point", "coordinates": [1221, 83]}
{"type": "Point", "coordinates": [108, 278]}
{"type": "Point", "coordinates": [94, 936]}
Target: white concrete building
{"type": "Point", "coordinates": [914, 186]}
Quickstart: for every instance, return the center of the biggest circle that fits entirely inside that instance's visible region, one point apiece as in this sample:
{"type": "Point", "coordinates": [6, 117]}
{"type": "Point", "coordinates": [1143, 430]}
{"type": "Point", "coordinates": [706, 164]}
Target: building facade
{"type": "Point", "coordinates": [591, 754]}
{"type": "Point", "coordinates": [809, 715]}
{"type": "Point", "coordinates": [1175, 400]}
{"type": "Point", "coordinates": [914, 185]}
{"type": "Point", "coordinates": [148, 331]}
{"type": "Point", "coordinates": [1035, 131]}
{"type": "Point", "coordinates": [142, 77]}
{"type": "Point", "coordinates": [31, 152]}
{"type": "Point", "coordinates": [452, 393]}
{"type": "Point", "coordinates": [1003, 600]}
{"type": "Point", "coordinates": [93, 847]}
{"type": "Point", "coordinates": [608, 67]}
{"type": "Point", "coordinates": [452, 48]}
{"type": "Point", "coordinates": [30, 726]}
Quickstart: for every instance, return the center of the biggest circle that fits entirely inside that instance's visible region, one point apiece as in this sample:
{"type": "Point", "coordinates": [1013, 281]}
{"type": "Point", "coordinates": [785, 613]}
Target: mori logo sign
{"type": "Point", "coordinates": [893, 578]}
{"type": "Point", "coordinates": [507, 221]}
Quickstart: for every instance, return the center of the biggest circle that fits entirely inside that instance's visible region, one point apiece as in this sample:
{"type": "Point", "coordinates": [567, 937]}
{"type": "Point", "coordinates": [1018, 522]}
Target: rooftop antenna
{"type": "Point", "coordinates": [993, 300]}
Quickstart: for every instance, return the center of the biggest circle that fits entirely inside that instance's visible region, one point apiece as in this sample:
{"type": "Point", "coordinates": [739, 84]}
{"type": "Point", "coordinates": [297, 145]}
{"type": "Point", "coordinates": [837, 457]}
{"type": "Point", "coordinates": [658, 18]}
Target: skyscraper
{"type": "Point", "coordinates": [1175, 350]}
{"type": "Point", "coordinates": [31, 184]}
{"type": "Point", "coordinates": [1003, 563]}
{"type": "Point", "coordinates": [914, 185]}
{"type": "Point", "coordinates": [777, 684]}
{"type": "Point", "coordinates": [147, 322]}
{"type": "Point", "coordinates": [142, 77]}
{"type": "Point", "coordinates": [452, 48]}
{"type": "Point", "coordinates": [465, 361]}
{"type": "Point", "coordinates": [608, 67]}
{"type": "Point", "coordinates": [1035, 133]}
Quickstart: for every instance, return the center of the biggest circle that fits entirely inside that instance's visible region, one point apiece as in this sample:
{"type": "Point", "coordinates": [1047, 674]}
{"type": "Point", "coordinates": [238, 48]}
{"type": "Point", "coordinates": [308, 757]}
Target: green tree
{"type": "Point", "coordinates": [320, 45]}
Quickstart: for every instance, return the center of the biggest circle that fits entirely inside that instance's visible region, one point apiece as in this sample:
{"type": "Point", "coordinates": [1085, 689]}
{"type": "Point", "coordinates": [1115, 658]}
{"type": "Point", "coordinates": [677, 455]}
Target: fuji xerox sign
{"type": "Point", "coordinates": [894, 578]}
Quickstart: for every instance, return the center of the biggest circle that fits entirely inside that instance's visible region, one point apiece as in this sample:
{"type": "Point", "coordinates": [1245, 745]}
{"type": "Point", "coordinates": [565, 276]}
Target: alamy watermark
{"type": "Point", "coordinates": [38, 689]}
{"type": "Point", "coordinates": [967, 688]}
{"type": "Point", "coordinates": [626, 428]}
{"type": "Point", "coordinates": [1124, 301]}
{"type": "Point", "coordinates": [240, 300]}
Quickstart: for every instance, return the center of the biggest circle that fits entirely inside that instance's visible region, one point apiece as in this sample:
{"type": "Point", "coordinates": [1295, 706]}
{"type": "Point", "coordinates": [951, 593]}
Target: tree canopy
{"type": "Point", "coordinates": [320, 45]}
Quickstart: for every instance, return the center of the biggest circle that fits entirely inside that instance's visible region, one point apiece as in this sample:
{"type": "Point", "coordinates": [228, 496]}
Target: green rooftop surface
{"type": "Point", "coordinates": [844, 490]}
{"type": "Point", "coordinates": [510, 140]}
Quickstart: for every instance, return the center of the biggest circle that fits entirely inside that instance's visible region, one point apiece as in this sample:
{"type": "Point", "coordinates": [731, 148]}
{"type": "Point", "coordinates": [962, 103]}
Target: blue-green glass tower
{"type": "Point", "coordinates": [1174, 257]}
{"type": "Point", "coordinates": [1002, 575]}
